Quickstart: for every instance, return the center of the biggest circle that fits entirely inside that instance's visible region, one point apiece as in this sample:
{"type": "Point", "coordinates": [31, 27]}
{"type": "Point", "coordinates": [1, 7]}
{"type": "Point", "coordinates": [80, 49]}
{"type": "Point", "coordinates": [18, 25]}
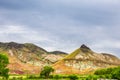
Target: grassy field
{"type": "Point", "coordinates": [36, 77]}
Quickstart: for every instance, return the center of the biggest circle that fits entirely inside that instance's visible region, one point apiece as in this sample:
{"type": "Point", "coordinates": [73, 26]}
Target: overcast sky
{"type": "Point", "coordinates": [62, 24]}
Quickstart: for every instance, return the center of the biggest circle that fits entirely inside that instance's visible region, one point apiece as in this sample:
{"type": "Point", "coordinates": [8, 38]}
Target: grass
{"type": "Point", "coordinates": [25, 77]}
{"type": "Point", "coordinates": [17, 76]}
{"type": "Point", "coordinates": [73, 54]}
{"type": "Point", "coordinates": [61, 77]}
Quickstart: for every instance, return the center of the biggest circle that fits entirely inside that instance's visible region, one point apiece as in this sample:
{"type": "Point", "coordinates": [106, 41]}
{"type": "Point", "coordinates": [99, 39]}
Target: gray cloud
{"type": "Point", "coordinates": [62, 25]}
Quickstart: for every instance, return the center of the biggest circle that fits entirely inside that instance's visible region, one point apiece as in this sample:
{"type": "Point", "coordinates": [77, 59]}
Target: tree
{"type": "Point", "coordinates": [45, 73]}
{"type": "Point", "coordinates": [3, 66]}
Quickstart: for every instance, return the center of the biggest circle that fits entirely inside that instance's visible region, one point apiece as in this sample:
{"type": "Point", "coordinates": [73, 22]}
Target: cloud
{"type": "Point", "coordinates": [21, 33]}
{"type": "Point", "coordinates": [62, 24]}
{"type": "Point", "coordinates": [24, 34]}
{"type": "Point", "coordinates": [10, 29]}
{"type": "Point", "coordinates": [109, 46]}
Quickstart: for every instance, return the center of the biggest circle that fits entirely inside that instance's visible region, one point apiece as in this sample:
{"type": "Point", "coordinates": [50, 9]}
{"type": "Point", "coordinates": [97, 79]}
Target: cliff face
{"type": "Point", "coordinates": [84, 60]}
{"type": "Point", "coordinates": [27, 57]}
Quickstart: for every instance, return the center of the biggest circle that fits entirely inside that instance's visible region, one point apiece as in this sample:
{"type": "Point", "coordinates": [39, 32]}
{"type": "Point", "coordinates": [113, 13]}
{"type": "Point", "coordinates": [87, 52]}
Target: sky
{"type": "Point", "coordinates": [62, 25]}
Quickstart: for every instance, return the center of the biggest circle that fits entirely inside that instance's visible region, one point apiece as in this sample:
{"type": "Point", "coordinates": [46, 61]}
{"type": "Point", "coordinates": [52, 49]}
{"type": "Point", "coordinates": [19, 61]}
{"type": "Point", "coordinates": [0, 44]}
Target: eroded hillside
{"type": "Point", "coordinates": [28, 57]}
{"type": "Point", "coordinates": [84, 61]}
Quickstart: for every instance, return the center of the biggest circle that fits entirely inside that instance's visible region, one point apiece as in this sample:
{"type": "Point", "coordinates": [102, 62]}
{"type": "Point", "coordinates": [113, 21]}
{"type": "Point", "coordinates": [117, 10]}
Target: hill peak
{"type": "Point", "coordinates": [84, 48]}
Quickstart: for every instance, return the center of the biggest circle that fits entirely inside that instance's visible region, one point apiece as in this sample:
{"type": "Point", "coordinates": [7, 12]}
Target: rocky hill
{"type": "Point", "coordinates": [28, 57]}
{"type": "Point", "coordinates": [84, 61]}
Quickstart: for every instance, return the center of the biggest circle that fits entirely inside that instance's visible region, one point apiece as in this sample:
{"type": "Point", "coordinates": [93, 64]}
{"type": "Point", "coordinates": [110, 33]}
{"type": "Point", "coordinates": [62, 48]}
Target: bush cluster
{"type": "Point", "coordinates": [110, 73]}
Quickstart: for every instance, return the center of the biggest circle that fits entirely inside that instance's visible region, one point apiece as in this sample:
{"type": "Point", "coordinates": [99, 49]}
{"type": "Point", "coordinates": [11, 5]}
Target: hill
{"type": "Point", "coordinates": [27, 57]}
{"type": "Point", "coordinates": [83, 61]}
{"type": "Point", "coordinates": [30, 58]}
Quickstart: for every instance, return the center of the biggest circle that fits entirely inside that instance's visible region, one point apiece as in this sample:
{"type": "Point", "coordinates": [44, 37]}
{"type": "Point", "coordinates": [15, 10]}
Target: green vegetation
{"type": "Point", "coordinates": [111, 73]}
{"type": "Point", "coordinates": [99, 74]}
{"type": "Point", "coordinates": [45, 73]}
{"type": "Point", "coordinates": [3, 66]}
{"type": "Point", "coordinates": [57, 77]}
{"type": "Point", "coordinates": [73, 77]}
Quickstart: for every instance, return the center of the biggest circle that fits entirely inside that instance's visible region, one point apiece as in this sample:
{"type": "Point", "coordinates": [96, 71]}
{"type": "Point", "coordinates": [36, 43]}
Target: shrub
{"type": "Point", "coordinates": [45, 73]}
{"type": "Point", "coordinates": [109, 73]}
{"type": "Point", "coordinates": [57, 77]}
{"type": "Point", "coordinates": [32, 77]}
{"type": "Point", "coordinates": [116, 73]}
{"type": "Point", "coordinates": [95, 77]}
{"type": "Point", "coordinates": [73, 77]}
{"type": "Point", "coordinates": [89, 77]}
